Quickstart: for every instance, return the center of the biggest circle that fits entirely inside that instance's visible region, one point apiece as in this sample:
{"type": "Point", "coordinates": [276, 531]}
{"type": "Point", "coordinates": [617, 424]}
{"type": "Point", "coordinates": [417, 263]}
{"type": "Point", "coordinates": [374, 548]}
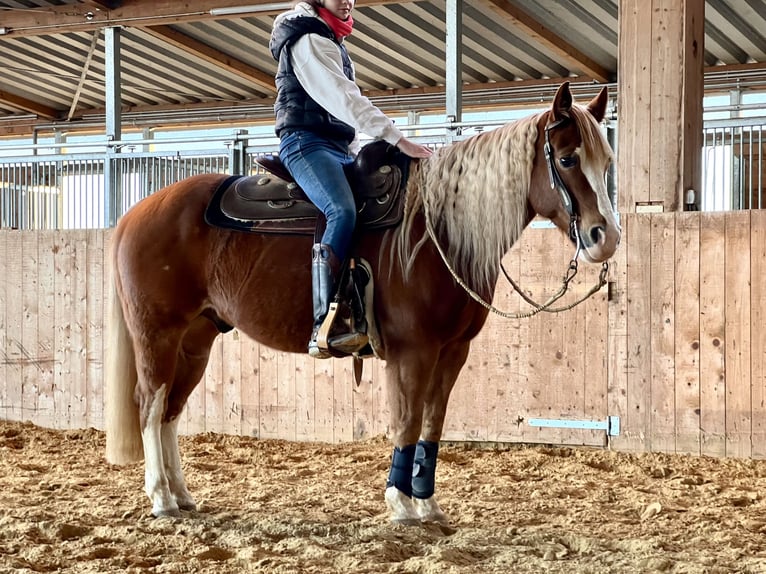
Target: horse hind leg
{"type": "Point", "coordinates": [156, 483]}
{"type": "Point", "coordinates": [172, 464]}
{"type": "Point", "coordinates": [158, 366]}
{"type": "Point", "coordinates": [193, 356]}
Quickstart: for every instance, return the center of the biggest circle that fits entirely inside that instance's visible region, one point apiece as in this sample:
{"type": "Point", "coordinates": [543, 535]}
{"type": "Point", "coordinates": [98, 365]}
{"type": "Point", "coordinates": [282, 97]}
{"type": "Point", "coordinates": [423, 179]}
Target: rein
{"type": "Point", "coordinates": [558, 184]}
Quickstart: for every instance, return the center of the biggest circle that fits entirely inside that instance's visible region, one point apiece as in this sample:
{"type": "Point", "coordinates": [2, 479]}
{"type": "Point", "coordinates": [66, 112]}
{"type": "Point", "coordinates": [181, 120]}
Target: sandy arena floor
{"type": "Point", "coordinates": [273, 506]}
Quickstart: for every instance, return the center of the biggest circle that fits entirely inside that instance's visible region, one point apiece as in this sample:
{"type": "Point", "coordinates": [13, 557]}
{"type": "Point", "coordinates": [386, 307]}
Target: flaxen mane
{"type": "Point", "coordinates": [475, 192]}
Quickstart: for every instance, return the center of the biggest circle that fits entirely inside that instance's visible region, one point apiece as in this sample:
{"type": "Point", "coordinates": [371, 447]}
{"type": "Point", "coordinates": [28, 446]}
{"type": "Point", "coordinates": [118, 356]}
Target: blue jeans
{"type": "Point", "coordinates": [317, 163]}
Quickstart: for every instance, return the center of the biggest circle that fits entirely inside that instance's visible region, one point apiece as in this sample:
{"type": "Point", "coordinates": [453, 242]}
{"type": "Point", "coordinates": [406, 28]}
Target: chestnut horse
{"type": "Point", "coordinates": [176, 279]}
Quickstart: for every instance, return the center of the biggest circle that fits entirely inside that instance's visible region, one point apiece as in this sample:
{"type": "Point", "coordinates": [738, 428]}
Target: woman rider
{"type": "Point", "coordinates": [319, 110]}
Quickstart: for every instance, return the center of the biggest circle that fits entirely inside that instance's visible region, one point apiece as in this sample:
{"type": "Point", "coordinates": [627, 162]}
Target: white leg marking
{"type": "Point", "coordinates": [429, 511]}
{"type": "Point", "coordinates": [173, 471]}
{"type": "Point", "coordinates": [401, 507]}
{"type": "Point", "coordinates": [155, 480]}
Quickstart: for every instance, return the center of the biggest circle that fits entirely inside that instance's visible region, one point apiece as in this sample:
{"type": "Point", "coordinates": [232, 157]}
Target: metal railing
{"type": "Point", "coordinates": [734, 164]}
{"type": "Point", "coordinates": [45, 188]}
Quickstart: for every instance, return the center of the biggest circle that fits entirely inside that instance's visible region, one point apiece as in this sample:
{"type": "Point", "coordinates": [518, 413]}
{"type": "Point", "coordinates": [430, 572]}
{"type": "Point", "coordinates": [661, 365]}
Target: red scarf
{"type": "Point", "coordinates": [341, 28]}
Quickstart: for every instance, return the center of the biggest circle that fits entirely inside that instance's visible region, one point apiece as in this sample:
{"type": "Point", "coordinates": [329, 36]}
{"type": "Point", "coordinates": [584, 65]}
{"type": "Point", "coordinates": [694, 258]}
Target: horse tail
{"type": "Point", "coordinates": [123, 425]}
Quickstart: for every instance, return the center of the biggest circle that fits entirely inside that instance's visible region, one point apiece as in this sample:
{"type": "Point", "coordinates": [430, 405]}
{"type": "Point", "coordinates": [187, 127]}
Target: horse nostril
{"type": "Point", "coordinates": [597, 234]}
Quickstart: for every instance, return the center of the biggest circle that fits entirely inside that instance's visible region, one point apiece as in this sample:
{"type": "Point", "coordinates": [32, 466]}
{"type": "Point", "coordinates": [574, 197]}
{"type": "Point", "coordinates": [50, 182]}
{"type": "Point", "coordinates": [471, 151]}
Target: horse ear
{"type": "Point", "coordinates": [597, 106]}
{"type": "Point", "coordinates": [562, 103]}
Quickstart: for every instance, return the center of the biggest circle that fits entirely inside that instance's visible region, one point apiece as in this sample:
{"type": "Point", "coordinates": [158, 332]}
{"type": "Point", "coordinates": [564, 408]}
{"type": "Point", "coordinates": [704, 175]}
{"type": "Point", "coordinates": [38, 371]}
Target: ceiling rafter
{"type": "Point", "coordinates": [132, 13]}
{"type": "Point", "coordinates": [573, 57]}
{"type": "Point", "coordinates": [209, 54]}
{"type": "Point", "coordinates": [27, 105]}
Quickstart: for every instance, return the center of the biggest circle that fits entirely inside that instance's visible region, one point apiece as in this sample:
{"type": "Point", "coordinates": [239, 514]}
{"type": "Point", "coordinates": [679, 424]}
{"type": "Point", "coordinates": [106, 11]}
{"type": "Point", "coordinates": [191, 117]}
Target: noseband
{"type": "Point", "coordinates": [558, 184]}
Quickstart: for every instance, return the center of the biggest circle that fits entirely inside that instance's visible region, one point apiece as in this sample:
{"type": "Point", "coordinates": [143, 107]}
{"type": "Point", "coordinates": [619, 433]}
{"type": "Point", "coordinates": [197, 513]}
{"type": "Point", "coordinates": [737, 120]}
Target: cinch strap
{"type": "Point", "coordinates": [424, 469]}
{"type": "Point", "coordinates": [401, 469]}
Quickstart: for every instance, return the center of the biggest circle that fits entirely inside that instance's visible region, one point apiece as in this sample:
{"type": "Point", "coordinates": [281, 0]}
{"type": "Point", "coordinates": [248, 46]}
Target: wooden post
{"type": "Point", "coordinates": [660, 77]}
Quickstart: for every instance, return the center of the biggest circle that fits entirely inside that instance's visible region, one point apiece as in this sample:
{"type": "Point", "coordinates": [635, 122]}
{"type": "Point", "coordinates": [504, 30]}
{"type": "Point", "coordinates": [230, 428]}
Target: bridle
{"type": "Point", "coordinates": [558, 184]}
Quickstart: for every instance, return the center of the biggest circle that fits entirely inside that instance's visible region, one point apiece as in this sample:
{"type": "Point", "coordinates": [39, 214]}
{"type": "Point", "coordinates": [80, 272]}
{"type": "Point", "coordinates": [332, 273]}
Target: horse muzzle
{"type": "Point", "coordinates": [598, 242]}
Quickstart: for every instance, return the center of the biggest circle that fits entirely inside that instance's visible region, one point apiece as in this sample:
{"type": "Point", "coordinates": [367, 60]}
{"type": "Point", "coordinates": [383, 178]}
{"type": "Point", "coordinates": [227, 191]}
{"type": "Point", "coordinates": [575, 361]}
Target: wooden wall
{"type": "Point", "coordinates": [676, 349]}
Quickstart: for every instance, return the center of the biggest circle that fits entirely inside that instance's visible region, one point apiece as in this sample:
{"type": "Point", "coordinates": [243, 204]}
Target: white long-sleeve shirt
{"type": "Point", "coordinates": [317, 64]}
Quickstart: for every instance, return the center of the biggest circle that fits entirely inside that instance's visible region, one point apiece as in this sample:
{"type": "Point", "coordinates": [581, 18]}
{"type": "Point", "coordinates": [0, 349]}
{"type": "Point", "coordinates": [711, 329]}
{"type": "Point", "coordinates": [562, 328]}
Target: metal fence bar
{"type": "Point", "coordinates": [67, 190]}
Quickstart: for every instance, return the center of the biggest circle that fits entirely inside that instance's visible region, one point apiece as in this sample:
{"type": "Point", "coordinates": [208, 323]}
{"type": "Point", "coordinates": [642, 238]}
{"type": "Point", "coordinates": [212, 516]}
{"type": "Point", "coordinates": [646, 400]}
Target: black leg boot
{"type": "Point", "coordinates": [324, 267]}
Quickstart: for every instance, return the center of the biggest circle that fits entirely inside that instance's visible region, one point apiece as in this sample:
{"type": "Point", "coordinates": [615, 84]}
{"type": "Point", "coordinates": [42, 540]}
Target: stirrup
{"type": "Point", "coordinates": [344, 343]}
{"type": "Point", "coordinates": [315, 350]}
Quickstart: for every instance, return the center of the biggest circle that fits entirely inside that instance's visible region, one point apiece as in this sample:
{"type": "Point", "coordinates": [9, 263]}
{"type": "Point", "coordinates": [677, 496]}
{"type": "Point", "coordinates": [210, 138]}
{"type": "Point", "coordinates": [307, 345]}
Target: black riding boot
{"type": "Point", "coordinates": [325, 268]}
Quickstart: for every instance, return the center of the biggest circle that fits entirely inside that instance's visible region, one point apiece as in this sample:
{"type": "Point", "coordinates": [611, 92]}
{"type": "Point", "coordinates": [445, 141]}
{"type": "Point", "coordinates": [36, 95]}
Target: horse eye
{"type": "Point", "coordinates": [568, 161]}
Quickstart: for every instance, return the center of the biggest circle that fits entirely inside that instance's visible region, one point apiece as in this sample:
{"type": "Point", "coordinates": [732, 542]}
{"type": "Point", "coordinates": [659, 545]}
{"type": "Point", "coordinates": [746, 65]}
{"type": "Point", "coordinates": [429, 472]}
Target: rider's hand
{"type": "Point", "coordinates": [413, 149]}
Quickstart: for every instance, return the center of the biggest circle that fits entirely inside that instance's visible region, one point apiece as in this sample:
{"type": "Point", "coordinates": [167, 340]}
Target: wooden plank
{"type": "Point", "coordinates": [231, 382]}
{"type": "Point", "coordinates": [687, 333]}
{"type": "Point", "coordinates": [268, 395]}
{"type": "Point", "coordinates": [14, 351]}
{"type": "Point", "coordinates": [4, 332]}
{"type": "Point", "coordinates": [362, 403]}
{"type": "Point", "coordinates": [251, 374]}
{"type": "Point", "coordinates": [46, 323]}
{"type": "Point", "coordinates": [692, 77]}
{"type": "Point", "coordinates": [504, 343]}
{"type": "Point", "coordinates": [637, 424]}
{"type": "Point", "coordinates": [594, 355]}
{"type": "Point", "coordinates": [617, 337]}
{"type": "Point", "coordinates": [712, 334]}
{"type": "Point", "coordinates": [30, 366]}
{"type": "Point", "coordinates": [323, 399]}
{"type": "Point", "coordinates": [97, 281]}
{"type": "Point", "coordinates": [737, 309]}
{"type": "Point", "coordinates": [194, 421]}
{"type": "Point", "coordinates": [546, 377]}
{"type": "Point", "coordinates": [517, 394]}
{"type": "Point", "coordinates": [213, 382]}
{"type": "Point", "coordinates": [63, 258]}
{"type": "Point", "coordinates": [583, 358]}
{"type": "Point", "coordinates": [286, 396]}
{"type": "Point", "coordinates": [666, 100]}
{"type": "Point", "coordinates": [343, 402]}
{"type": "Point", "coordinates": [380, 408]}
{"type": "Point", "coordinates": [758, 329]}
{"type": "Point", "coordinates": [662, 325]}
{"type": "Point", "coordinates": [304, 397]}
{"type": "Point", "coordinates": [464, 409]}
{"type": "Point", "coordinates": [634, 102]}
{"type": "Point", "coordinates": [77, 329]}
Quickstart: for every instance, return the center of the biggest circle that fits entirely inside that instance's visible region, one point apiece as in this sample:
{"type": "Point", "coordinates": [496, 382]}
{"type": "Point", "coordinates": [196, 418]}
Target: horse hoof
{"type": "Point", "coordinates": [188, 506]}
{"type": "Point", "coordinates": [169, 513]}
{"type": "Point", "coordinates": [405, 522]}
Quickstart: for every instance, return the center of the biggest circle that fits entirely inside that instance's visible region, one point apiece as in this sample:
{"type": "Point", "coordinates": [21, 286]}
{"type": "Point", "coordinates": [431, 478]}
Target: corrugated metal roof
{"type": "Point", "coordinates": [204, 65]}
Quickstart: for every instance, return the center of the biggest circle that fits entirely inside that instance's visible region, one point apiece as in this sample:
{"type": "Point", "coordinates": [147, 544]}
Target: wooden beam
{"type": "Point", "coordinates": [108, 4]}
{"type": "Point", "coordinates": [27, 105]}
{"type": "Point", "coordinates": [130, 13]}
{"type": "Point", "coordinates": [209, 54]}
{"type": "Point", "coordinates": [570, 55]}
{"type": "Point", "coordinates": [660, 100]}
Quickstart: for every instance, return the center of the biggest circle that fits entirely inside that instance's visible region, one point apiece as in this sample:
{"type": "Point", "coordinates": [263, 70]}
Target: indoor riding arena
{"type": "Point", "coordinates": [623, 433]}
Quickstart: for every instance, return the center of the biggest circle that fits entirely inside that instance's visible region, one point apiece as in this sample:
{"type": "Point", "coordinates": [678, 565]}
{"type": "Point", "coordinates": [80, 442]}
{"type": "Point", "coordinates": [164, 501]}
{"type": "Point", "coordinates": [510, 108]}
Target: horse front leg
{"type": "Point", "coordinates": [451, 361]}
{"type": "Point", "coordinates": [408, 376]}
